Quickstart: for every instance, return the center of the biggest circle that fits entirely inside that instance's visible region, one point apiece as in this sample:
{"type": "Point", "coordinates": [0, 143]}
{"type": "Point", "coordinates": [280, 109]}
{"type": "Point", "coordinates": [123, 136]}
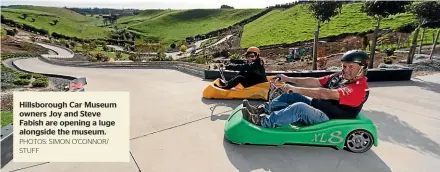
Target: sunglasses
{"type": "Point", "coordinates": [250, 55]}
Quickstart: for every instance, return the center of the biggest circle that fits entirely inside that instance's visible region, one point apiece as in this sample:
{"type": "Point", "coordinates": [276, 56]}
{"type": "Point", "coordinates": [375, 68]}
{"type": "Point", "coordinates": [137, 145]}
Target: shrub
{"type": "Point", "coordinates": [118, 54]}
{"type": "Point", "coordinates": [37, 76]}
{"type": "Point", "coordinates": [173, 45]}
{"type": "Point", "coordinates": [169, 58]}
{"type": "Point", "coordinates": [25, 76]}
{"type": "Point", "coordinates": [200, 60]}
{"type": "Point", "coordinates": [105, 59]}
{"type": "Point", "coordinates": [132, 57]}
{"type": "Point", "coordinates": [72, 44]}
{"type": "Point", "coordinates": [100, 56]}
{"type": "Point", "coordinates": [183, 48]}
{"type": "Point", "coordinates": [388, 60]}
{"type": "Point", "coordinates": [105, 48]}
{"type": "Point", "coordinates": [235, 56]}
{"type": "Point", "coordinates": [10, 32]}
{"type": "Point", "coordinates": [20, 81]}
{"type": "Point", "coordinates": [40, 83]}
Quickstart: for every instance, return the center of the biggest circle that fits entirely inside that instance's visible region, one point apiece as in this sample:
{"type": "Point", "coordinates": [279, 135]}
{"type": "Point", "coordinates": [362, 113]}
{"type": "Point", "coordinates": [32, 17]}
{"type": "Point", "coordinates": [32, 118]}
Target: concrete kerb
{"type": "Point", "coordinates": [45, 74]}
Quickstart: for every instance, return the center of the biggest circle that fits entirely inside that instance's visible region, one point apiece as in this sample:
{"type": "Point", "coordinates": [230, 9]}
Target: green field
{"type": "Point", "coordinates": [70, 23]}
{"type": "Point", "coordinates": [143, 16]}
{"type": "Point", "coordinates": [297, 24]}
{"type": "Point", "coordinates": [277, 27]}
{"type": "Point", "coordinates": [6, 118]}
{"type": "Point", "coordinates": [176, 25]}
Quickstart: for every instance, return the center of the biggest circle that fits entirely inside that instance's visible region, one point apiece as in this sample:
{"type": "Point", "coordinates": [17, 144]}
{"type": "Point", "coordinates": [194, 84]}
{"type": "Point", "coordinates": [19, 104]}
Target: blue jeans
{"type": "Point", "coordinates": [290, 108]}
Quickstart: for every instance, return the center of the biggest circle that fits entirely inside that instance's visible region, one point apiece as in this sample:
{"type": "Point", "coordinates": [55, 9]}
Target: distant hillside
{"type": "Point", "coordinates": [69, 22]}
{"type": "Point", "coordinates": [297, 24]}
{"type": "Point", "coordinates": [179, 24]}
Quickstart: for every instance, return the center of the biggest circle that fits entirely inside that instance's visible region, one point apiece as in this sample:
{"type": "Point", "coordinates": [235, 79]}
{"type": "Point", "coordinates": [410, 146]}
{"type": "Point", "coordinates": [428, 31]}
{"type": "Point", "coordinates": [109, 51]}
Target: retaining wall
{"type": "Point", "coordinates": [382, 74]}
{"type": "Point", "coordinates": [189, 68]}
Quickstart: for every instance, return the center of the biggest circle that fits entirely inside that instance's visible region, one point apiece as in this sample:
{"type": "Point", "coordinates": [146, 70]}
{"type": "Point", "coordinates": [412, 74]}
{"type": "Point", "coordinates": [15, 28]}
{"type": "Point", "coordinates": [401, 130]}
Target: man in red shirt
{"type": "Point", "coordinates": [336, 96]}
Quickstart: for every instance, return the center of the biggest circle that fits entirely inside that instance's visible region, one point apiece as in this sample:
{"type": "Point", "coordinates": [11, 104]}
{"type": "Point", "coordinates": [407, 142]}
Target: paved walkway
{"type": "Point", "coordinates": [173, 128]}
{"type": "Point", "coordinates": [61, 52]}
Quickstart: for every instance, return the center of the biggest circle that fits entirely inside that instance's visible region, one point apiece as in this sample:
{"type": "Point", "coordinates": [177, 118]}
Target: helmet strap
{"type": "Point", "coordinates": [361, 72]}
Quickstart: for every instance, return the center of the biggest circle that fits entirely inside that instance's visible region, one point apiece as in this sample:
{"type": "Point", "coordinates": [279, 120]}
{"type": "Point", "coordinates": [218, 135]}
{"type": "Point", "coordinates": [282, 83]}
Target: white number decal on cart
{"type": "Point", "coordinates": [334, 138]}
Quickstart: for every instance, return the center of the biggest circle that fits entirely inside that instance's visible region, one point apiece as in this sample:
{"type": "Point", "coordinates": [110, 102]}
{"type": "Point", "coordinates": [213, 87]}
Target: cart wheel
{"type": "Point", "coordinates": [359, 141]}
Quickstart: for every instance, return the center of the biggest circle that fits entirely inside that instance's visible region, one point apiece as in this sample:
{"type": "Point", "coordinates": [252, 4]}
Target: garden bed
{"type": "Point", "coordinates": [333, 62]}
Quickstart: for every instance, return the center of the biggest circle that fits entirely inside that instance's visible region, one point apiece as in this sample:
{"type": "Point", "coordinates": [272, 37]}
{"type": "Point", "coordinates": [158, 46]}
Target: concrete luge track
{"type": "Point", "coordinates": [173, 129]}
{"type": "Point", "coordinates": [61, 52]}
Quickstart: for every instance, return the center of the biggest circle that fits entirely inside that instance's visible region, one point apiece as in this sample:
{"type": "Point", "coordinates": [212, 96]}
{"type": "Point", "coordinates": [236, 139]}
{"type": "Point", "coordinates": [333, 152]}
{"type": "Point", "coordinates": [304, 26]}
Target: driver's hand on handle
{"type": "Point", "coordinates": [280, 78]}
{"type": "Point", "coordinates": [288, 88]}
{"type": "Point", "coordinates": [283, 78]}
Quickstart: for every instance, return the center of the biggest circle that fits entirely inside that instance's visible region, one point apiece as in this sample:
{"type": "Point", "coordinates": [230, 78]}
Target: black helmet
{"type": "Point", "coordinates": [356, 56]}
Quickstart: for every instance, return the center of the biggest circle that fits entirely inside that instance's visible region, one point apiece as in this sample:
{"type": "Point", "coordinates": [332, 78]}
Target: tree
{"type": "Point", "coordinates": [427, 14]}
{"type": "Point", "coordinates": [173, 45]}
{"type": "Point", "coordinates": [379, 10]}
{"type": "Point", "coordinates": [54, 22]}
{"type": "Point", "coordinates": [434, 44]}
{"type": "Point", "coordinates": [323, 11]}
{"type": "Point", "coordinates": [226, 7]}
{"type": "Point", "coordinates": [24, 16]}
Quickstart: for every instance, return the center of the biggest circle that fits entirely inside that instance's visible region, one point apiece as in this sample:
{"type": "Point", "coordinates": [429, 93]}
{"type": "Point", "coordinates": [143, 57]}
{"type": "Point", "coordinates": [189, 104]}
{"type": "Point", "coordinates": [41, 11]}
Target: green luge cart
{"type": "Point", "coordinates": [357, 135]}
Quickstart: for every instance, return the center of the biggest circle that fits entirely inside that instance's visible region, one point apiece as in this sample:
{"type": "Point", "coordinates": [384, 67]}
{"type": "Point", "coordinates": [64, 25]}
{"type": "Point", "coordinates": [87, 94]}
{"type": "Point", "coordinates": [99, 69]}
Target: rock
{"type": "Point", "coordinates": [334, 68]}
{"type": "Point", "coordinates": [7, 101]}
{"type": "Point", "coordinates": [426, 65]}
{"type": "Point", "coordinates": [391, 66]}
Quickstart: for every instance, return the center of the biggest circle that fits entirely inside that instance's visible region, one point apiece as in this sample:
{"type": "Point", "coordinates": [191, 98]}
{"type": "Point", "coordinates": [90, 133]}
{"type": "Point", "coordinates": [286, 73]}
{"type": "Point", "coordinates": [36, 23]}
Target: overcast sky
{"type": "Point", "coordinates": [148, 4]}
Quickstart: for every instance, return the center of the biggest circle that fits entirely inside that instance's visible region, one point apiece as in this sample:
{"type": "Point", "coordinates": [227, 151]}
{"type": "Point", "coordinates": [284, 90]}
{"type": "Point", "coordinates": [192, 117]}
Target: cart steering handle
{"type": "Point", "coordinates": [274, 88]}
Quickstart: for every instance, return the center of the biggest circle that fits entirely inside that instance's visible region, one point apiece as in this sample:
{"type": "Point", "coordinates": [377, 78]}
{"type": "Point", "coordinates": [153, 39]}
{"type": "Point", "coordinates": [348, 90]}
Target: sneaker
{"type": "Point", "coordinates": [255, 110]}
{"type": "Point", "coordinates": [252, 118]}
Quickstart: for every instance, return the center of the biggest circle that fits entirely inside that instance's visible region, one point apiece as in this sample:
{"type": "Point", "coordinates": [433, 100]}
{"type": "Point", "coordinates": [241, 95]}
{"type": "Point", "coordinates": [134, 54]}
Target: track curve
{"type": "Point", "coordinates": [61, 52]}
{"type": "Point", "coordinates": [173, 130]}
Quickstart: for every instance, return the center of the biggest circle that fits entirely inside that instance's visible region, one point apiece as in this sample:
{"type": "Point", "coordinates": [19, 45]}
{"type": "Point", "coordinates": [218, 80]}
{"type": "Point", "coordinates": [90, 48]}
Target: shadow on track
{"type": "Point", "coordinates": [427, 85]}
{"type": "Point", "coordinates": [391, 129]}
{"type": "Point", "coordinates": [232, 104]}
{"type": "Point", "coordinates": [290, 158]}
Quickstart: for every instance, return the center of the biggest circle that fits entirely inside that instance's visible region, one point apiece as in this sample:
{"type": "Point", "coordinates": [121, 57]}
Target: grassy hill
{"type": "Point", "coordinates": [70, 23]}
{"type": "Point", "coordinates": [276, 27]}
{"type": "Point", "coordinates": [179, 24]}
{"type": "Point", "coordinates": [297, 24]}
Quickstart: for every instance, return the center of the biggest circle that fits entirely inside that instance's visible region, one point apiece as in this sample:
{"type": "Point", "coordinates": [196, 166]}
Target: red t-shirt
{"type": "Point", "coordinates": [352, 94]}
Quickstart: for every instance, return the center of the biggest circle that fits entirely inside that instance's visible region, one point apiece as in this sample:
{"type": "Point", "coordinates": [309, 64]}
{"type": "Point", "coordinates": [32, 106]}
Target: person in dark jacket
{"type": "Point", "coordinates": [250, 73]}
